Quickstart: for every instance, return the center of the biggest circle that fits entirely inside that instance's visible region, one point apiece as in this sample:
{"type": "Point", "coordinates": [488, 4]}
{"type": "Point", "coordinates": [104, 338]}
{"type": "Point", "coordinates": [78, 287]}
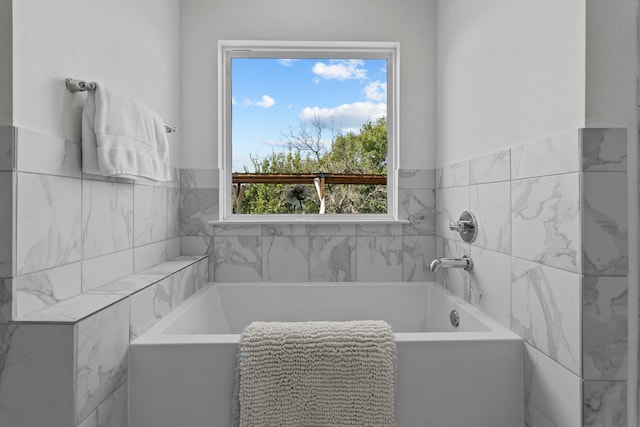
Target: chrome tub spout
{"type": "Point", "coordinates": [438, 263]}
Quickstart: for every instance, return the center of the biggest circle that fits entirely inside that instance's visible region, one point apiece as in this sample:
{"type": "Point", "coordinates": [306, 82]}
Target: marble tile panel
{"type": "Point", "coordinates": [73, 309]}
{"type": "Point", "coordinates": [545, 311]}
{"type": "Point", "coordinates": [91, 420]}
{"type": "Point", "coordinates": [332, 229]}
{"type": "Point", "coordinates": [490, 284]}
{"type": "Point", "coordinates": [419, 207]}
{"type": "Point", "coordinates": [439, 177]}
{"type": "Point", "coordinates": [417, 179]}
{"type": "Point", "coordinates": [455, 175]}
{"type": "Point", "coordinates": [285, 258]}
{"type": "Point", "coordinates": [237, 258]}
{"type": "Point", "coordinates": [379, 230]}
{"type": "Point", "coordinates": [149, 306]}
{"type": "Point", "coordinates": [149, 214]}
{"type": "Point", "coordinates": [197, 208]}
{"type": "Point", "coordinates": [6, 300]}
{"type": "Point", "coordinates": [44, 288]}
{"type": "Point", "coordinates": [149, 255]}
{"type": "Point", "coordinates": [49, 222]}
{"type": "Point", "coordinates": [183, 285]}
{"type": "Point", "coordinates": [552, 155]}
{"type": "Point", "coordinates": [455, 279]}
{"type": "Point", "coordinates": [545, 221]}
{"type": "Point", "coordinates": [173, 247]}
{"type": "Point", "coordinates": [604, 149]}
{"type": "Point", "coordinates": [552, 393]}
{"type": "Point", "coordinates": [604, 328]}
{"type": "Point", "coordinates": [199, 178]}
{"type": "Point", "coordinates": [494, 167]}
{"type": "Point", "coordinates": [107, 217]}
{"type": "Point", "coordinates": [105, 269]}
{"type": "Point", "coordinates": [47, 154]}
{"type": "Point", "coordinates": [605, 404]}
{"type": "Point", "coordinates": [173, 213]}
{"type": "Point", "coordinates": [332, 258]}
{"type": "Point", "coordinates": [113, 412]}
{"type": "Point", "coordinates": [128, 285]}
{"type": "Point", "coordinates": [379, 258]}
{"type": "Point", "coordinates": [171, 266]}
{"type": "Point", "coordinates": [7, 205]}
{"type": "Point", "coordinates": [36, 371]}
{"type": "Point", "coordinates": [285, 230]}
{"type": "Point", "coordinates": [605, 246]}
{"type": "Point", "coordinates": [175, 178]}
{"type": "Point", "coordinates": [450, 203]}
{"type": "Point", "coordinates": [101, 363]}
{"type": "Point", "coordinates": [194, 245]}
{"type": "Point", "coordinates": [6, 148]}
{"type": "Point", "coordinates": [201, 271]}
{"type": "Point", "coordinates": [491, 205]}
{"type": "Point", "coordinates": [418, 252]}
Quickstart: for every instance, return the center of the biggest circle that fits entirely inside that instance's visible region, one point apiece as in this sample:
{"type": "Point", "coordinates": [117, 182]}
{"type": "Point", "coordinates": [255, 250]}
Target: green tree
{"type": "Point", "coordinates": [364, 152]}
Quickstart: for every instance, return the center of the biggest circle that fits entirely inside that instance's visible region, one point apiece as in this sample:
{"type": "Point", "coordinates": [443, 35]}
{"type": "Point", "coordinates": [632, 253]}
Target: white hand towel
{"type": "Point", "coordinates": [123, 138]}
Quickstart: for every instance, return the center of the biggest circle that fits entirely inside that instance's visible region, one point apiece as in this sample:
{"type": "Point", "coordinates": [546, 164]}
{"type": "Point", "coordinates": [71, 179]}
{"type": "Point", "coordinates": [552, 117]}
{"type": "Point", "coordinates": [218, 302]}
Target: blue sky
{"type": "Point", "coordinates": [270, 96]}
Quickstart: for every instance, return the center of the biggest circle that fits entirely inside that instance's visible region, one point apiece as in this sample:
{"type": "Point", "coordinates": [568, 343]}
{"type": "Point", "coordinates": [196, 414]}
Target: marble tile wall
{"type": "Point", "coordinates": [74, 232]}
{"type": "Point", "coordinates": [83, 270]}
{"type": "Point", "coordinates": [301, 252]}
{"type": "Point", "coordinates": [550, 262]}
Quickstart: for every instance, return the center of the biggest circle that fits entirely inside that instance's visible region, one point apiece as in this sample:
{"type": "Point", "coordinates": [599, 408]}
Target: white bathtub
{"type": "Point", "coordinates": [181, 371]}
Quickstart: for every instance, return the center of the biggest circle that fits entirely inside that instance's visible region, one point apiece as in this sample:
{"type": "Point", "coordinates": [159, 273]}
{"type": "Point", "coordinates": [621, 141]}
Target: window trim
{"type": "Point", "coordinates": [229, 49]}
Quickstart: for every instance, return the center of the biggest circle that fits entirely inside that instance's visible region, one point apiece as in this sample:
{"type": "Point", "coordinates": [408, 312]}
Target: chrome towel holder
{"type": "Point", "coordinates": [74, 85]}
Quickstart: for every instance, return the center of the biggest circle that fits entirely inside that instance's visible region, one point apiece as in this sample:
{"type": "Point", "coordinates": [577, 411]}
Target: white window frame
{"type": "Point", "coordinates": [229, 49]}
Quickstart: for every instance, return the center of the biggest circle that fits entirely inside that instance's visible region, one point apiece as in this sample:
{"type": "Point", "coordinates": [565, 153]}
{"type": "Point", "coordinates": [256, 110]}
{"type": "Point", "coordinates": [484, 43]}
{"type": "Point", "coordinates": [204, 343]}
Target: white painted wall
{"type": "Point", "coordinates": [410, 22]}
{"type": "Point", "coordinates": [6, 69]}
{"type": "Point", "coordinates": [131, 46]}
{"type": "Point", "coordinates": [508, 71]}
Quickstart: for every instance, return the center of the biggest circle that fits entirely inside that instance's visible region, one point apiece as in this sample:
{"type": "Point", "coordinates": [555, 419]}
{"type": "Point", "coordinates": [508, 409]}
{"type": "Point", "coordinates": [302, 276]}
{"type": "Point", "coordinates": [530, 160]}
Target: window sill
{"type": "Point", "coordinates": [309, 219]}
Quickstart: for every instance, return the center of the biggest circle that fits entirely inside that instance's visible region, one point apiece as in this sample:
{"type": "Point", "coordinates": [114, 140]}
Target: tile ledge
{"type": "Point", "coordinates": [81, 306]}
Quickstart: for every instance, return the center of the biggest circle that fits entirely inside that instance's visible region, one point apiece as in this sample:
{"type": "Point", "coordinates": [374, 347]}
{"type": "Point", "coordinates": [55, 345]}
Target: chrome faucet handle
{"type": "Point", "coordinates": [466, 226]}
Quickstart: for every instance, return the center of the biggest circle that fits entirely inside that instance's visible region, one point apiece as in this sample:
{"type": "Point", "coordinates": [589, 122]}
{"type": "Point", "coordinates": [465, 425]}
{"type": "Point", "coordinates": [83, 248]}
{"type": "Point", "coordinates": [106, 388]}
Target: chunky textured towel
{"type": "Point", "coordinates": [123, 138]}
{"type": "Point", "coordinates": [316, 374]}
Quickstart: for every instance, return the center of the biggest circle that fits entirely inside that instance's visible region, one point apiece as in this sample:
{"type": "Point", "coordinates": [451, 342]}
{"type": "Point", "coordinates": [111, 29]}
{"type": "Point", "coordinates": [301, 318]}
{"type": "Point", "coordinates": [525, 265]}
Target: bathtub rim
{"type": "Point", "coordinates": [155, 336]}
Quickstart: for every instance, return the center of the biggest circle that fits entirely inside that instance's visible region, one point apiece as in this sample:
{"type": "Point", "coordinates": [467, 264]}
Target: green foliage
{"type": "Point", "coordinates": [353, 153]}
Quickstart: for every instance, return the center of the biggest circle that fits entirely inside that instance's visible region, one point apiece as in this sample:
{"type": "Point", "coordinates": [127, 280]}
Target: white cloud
{"type": "Point", "coordinates": [349, 117]}
{"type": "Point", "coordinates": [287, 62]}
{"type": "Point", "coordinates": [376, 91]}
{"type": "Point", "coordinates": [265, 102]}
{"type": "Point", "coordinates": [340, 70]}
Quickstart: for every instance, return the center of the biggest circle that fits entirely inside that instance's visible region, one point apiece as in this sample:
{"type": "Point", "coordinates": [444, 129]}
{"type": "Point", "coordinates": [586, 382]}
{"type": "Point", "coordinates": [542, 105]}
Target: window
{"type": "Point", "coordinates": [308, 128]}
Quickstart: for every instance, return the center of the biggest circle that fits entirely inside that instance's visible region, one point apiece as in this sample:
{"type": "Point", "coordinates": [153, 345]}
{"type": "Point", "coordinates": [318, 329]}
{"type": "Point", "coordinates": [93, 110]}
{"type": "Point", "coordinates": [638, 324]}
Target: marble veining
{"type": "Point", "coordinates": [490, 284]}
{"type": "Point", "coordinates": [545, 310]}
{"type": "Point", "coordinates": [555, 154]}
{"type": "Point", "coordinates": [73, 309]}
{"type": "Point", "coordinates": [107, 217]}
{"type": "Point", "coordinates": [417, 254]}
{"type": "Point", "coordinates": [101, 365]}
{"type": "Point", "coordinates": [419, 207]}
{"type": "Point", "coordinates": [113, 412]}
{"type": "Point", "coordinates": [545, 220]}
{"type": "Point", "coordinates": [450, 203]}
{"type": "Point", "coordinates": [6, 309]}
{"type": "Point", "coordinates": [605, 404]}
{"type": "Point", "coordinates": [552, 393]}
{"type": "Point", "coordinates": [36, 366]}
{"type": "Point", "coordinates": [238, 258]}
{"type": "Point", "coordinates": [183, 285]}
{"type": "Point", "coordinates": [150, 214]}
{"type": "Point", "coordinates": [491, 205]}
{"type": "Point", "coordinates": [605, 328]}
{"type": "Point", "coordinates": [605, 249]}
{"type": "Point", "coordinates": [149, 306]}
{"type": "Point", "coordinates": [104, 269]}
{"type": "Point", "coordinates": [490, 168]}
{"type": "Point", "coordinates": [604, 149]}
{"type": "Point", "coordinates": [42, 289]}
{"type": "Point", "coordinates": [332, 258]}
{"type": "Point", "coordinates": [416, 179]}
{"type": "Point", "coordinates": [48, 222]}
{"type": "Point", "coordinates": [285, 229]}
{"type": "Point", "coordinates": [285, 258]}
{"type": "Point", "coordinates": [455, 175]}
{"type": "Point", "coordinates": [378, 258]}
